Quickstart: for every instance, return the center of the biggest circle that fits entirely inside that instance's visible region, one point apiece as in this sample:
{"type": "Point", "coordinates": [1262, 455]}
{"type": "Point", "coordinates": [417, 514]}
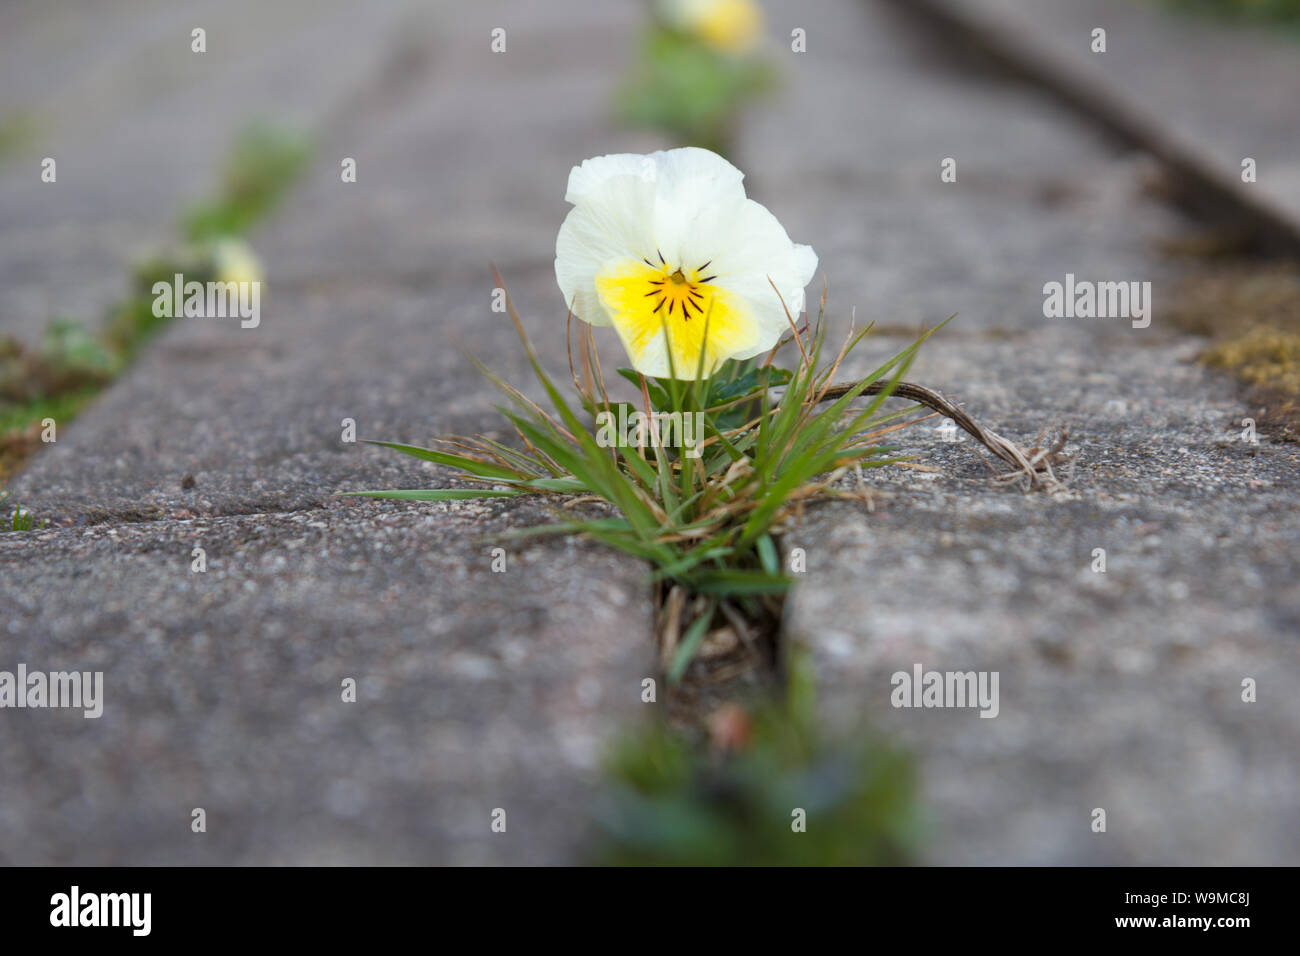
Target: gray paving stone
{"type": "Point", "coordinates": [255, 415]}
{"type": "Point", "coordinates": [477, 690]}
{"type": "Point", "coordinates": [1119, 690]}
{"type": "Point", "coordinates": [140, 126]}
{"type": "Point", "coordinates": [1201, 93]}
{"type": "Point", "coordinates": [849, 158]}
{"type": "Point", "coordinates": [475, 167]}
{"type": "Point", "coordinates": [223, 690]}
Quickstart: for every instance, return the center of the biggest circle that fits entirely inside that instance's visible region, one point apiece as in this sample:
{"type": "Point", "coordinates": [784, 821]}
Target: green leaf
{"type": "Point", "coordinates": [658, 396]}
{"type": "Point", "coordinates": [691, 642]}
{"type": "Point", "coordinates": [767, 554]}
{"type": "Point", "coordinates": [740, 581]}
{"type": "Point", "coordinates": [640, 467]}
{"type": "Point", "coordinates": [474, 466]}
{"type": "Point", "coordinates": [553, 484]}
{"type": "Point", "coordinates": [752, 381]}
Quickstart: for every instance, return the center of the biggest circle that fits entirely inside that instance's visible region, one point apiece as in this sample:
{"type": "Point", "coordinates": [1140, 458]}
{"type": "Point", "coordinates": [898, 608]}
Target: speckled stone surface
{"type": "Point", "coordinates": [477, 690]}
{"type": "Point", "coordinates": [1119, 690]}
{"type": "Point", "coordinates": [224, 690]}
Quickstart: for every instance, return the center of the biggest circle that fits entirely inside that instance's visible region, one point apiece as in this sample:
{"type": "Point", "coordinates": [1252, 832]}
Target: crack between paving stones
{"type": "Point", "coordinates": [97, 517]}
{"type": "Point", "coordinates": [1196, 184]}
{"type": "Point", "coordinates": [393, 82]}
{"type": "Point", "coordinates": [744, 647]}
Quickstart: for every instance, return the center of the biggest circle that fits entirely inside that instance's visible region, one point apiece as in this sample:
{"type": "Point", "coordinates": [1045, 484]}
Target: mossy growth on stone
{"type": "Point", "coordinates": [1251, 313]}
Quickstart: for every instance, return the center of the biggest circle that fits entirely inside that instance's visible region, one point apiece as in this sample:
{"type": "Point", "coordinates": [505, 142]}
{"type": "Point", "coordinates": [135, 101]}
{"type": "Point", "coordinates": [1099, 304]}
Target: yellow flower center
{"type": "Point", "coordinates": [730, 25]}
{"type": "Point", "coordinates": [678, 293]}
{"type": "Point", "coordinates": [648, 301]}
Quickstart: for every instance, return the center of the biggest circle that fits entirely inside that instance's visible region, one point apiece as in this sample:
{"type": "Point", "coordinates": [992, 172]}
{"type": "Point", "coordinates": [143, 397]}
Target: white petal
{"type": "Point", "coordinates": [690, 182]}
{"type": "Point", "coordinates": [654, 360]}
{"type": "Point", "coordinates": [684, 183]}
{"type": "Point", "coordinates": [587, 179]}
{"type": "Point", "coordinates": [748, 247]}
{"type": "Point", "coordinates": [611, 224]}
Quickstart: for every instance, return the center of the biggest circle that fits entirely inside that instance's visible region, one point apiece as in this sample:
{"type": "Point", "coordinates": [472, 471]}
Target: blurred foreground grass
{"type": "Point", "coordinates": [767, 787]}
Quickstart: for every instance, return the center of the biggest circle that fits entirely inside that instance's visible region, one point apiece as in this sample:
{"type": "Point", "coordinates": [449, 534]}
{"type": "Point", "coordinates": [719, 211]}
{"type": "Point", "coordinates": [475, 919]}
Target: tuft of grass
{"type": "Point", "coordinates": [68, 360]}
{"type": "Point", "coordinates": [18, 130]}
{"type": "Point", "coordinates": [19, 520]}
{"type": "Point", "coordinates": [263, 163]}
{"type": "Point", "coordinates": [772, 440]}
{"type": "Point", "coordinates": [735, 800]}
{"type": "Point", "coordinates": [21, 423]}
{"type": "Point", "coordinates": [52, 381]}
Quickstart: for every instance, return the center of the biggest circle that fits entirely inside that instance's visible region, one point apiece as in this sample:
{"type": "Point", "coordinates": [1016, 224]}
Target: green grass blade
{"type": "Point", "coordinates": [482, 469]}
{"type": "Point", "coordinates": [691, 642]}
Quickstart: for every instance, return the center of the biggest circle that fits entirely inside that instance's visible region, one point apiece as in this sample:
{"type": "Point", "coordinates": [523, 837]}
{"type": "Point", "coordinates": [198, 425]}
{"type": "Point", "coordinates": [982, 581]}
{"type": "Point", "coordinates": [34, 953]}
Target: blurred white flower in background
{"type": "Point", "coordinates": [733, 26]}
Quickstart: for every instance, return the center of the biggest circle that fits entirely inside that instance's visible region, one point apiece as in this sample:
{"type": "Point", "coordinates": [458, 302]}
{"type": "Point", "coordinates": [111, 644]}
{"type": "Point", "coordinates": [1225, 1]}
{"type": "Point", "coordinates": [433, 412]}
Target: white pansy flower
{"type": "Point", "coordinates": [656, 244]}
{"type": "Point", "coordinates": [234, 260]}
{"type": "Point", "coordinates": [732, 26]}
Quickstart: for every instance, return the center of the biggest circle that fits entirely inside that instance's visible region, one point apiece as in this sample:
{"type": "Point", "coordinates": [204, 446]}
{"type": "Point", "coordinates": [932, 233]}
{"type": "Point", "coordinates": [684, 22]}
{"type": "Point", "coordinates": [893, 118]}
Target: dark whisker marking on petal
{"type": "Point", "coordinates": [699, 295]}
{"type": "Point", "coordinates": [656, 281]}
{"type": "Point", "coordinates": [709, 278]}
{"type": "Point", "coordinates": [647, 262]}
{"type": "Point", "coordinates": [703, 267]}
{"type": "Point", "coordinates": [688, 302]}
{"type": "Point", "coordinates": [650, 293]}
{"type": "Point", "coordinates": [661, 258]}
{"type": "Point", "coordinates": [659, 306]}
